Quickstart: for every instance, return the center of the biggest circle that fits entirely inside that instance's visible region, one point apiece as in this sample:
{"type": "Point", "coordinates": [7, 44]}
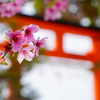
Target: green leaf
{"type": "Point", "coordinates": [5, 63]}
{"type": "Point", "coordinates": [7, 38]}
{"type": "Point", "coordinates": [13, 54]}
{"type": "Point", "coordinates": [3, 59]}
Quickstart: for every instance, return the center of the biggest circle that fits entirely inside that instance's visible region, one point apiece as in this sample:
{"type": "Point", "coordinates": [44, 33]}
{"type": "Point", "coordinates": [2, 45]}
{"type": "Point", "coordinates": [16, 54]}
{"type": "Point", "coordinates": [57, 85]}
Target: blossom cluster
{"type": "Point", "coordinates": [2, 60]}
{"type": "Point", "coordinates": [9, 9]}
{"type": "Point", "coordinates": [19, 41]}
{"type": "Point", "coordinates": [54, 9]}
{"type": "Point", "coordinates": [47, 1]}
{"type": "Point", "coordinates": [55, 12]}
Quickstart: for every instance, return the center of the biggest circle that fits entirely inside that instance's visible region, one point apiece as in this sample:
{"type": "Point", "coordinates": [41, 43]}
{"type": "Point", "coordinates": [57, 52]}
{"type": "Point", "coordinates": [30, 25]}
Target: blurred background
{"type": "Point", "coordinates": [68, 68]}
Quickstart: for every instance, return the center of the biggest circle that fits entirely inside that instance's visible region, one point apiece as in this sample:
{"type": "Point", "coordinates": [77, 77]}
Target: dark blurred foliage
{"type": "Point", "coordinates": [90, 8]}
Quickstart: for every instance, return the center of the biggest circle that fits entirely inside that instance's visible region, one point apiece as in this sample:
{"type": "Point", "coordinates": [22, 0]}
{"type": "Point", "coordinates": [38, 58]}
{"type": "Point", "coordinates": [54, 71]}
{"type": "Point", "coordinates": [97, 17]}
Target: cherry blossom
{"type": "Point", "coordinates": [28, 32]}
{"type": "Point", "coordinates": [20, 2]}
{"type": "Point", "coordinates": [55, 12]}
{"type": "Point", "coordinates": [8, 47]}
{"type": "Point", "coordinates": [26, 54]}
{"type": "Point", "coordinates": [17, 5]}
{"type": "Point", "coordinates": [47, 1]}
{"type": "Point", "coordinates": [6, 10]}
{"type": "Point", "coordinates": [9, 9]}
{"type": "Point", "coordinates": [17, 39]}
{"type": "Point", "coordinates": [61, 5]}
{"type": "Point", "coordinates": [39, 43]}
{"type": "Point", "coordinates": [1, 53]}
{"type": "Point", "coordinates": [1, 59]}
{"type": "Point", "coordinates": [52, 14]}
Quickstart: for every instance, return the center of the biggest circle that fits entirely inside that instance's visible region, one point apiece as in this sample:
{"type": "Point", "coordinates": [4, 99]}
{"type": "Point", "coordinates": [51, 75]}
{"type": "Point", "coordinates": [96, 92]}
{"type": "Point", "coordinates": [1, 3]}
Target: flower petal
{"type": "Point", "coordinates": [16, 46]}
{"type": "Point", "coordinates": [35, 28]}
{"type": "Point", "coordinates": [9, 34]}
{"type": "Point", "coordinates": [37, 51]}
{"type": "Point", "coordinates": [29, 56]}
{"type": "Point", "coordinates": [17, 33]}
{"type": "Point", "coordinates": [29, 38]}
{"type": "Point", "coordinates": [20, 58]}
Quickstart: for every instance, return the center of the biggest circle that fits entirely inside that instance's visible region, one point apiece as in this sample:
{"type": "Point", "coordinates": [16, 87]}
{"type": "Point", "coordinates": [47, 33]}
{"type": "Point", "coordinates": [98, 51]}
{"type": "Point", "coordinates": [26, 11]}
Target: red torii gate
{"type": "Point", "coordinates": [60, 29]}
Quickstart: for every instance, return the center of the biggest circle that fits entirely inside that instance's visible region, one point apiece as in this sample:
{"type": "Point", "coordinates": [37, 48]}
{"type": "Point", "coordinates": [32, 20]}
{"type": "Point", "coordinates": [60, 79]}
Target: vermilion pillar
{"type": "Point", "coordinates": [96, 43]}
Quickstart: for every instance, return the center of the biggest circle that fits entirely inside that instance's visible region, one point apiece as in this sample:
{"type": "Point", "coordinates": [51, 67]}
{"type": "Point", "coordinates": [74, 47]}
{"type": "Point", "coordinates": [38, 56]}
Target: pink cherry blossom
{"type": "Point", "coordinates": [17, 39]}
{"type": "Point", "coordinates": [1, 59]}
{"type": "Point", "coordinates": [6, 10]}
{"type": "Point", "coordinates": [52, 14]}
{"type": "Point", "coordinates": [28, 32]}
{"type": "Point", "coordinates": [39, 43]}
{"type": "Point", "coordinates": [8, 47]}
{"type": "Point", "coordinates": [9, 9]}
{"type": "Point", "coordinates": [20, 2]}
{"type": "Point", "coordinates": [1, 54]}
{"type": "Point", "coordinates": [17, 5]}
{"type": "Point", "coordinates": [47, 1]}
{"type": "Point", "coordinates": [26, 54]}
{"type": "Point", "coordinates": [61, 5]}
